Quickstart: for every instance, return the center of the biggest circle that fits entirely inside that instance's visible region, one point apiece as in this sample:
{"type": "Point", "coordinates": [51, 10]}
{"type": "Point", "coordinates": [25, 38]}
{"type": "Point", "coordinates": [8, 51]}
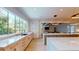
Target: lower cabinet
{"type": "Point", "coordinates": [20, 45]}
{"type": "Point", "coordinates": [11, 47]}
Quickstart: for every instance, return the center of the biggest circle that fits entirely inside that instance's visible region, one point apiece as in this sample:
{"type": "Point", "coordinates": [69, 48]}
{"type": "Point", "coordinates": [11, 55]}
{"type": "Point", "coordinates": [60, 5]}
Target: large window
{"type": "Point", "coordinates": [11, 23]}
{"type": "Point", "coordinates": [24, 26]}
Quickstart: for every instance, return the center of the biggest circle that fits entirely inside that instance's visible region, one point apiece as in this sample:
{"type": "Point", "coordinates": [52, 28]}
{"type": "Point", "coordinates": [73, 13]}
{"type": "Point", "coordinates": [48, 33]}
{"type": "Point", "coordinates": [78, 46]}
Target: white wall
{"type": "Point", "coordinates": [35, 27]}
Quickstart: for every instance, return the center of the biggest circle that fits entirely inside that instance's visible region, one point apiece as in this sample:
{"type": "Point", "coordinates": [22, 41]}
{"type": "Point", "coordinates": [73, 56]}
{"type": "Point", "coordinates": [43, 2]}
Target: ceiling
{"type": "Point", "coordinates": [47, 12]}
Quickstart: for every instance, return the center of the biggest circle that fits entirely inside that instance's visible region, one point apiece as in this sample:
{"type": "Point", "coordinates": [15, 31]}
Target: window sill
{"type": "Point", "coordinates": [7, 36]}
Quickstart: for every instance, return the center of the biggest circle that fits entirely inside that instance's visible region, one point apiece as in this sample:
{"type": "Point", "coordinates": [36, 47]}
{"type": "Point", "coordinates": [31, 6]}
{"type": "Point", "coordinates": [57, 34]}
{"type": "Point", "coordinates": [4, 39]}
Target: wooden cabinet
{"type": "Point", "coordinates": [20, 45]}
{"type": "Point", "coordinates": [2, 49]}
{"type": "Point", "coordinates": [11, 47]}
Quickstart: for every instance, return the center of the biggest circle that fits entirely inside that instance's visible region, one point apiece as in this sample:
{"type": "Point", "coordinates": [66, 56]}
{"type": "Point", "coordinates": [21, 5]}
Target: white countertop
{"type": "Point", "coordinates": [8, 41]}
{"type": "Point", "coordinates": [60, 33]}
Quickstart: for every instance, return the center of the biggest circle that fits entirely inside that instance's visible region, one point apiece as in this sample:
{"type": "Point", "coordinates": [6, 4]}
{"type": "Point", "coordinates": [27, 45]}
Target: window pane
{"type": "Point", "coordinates": [17, 24]}
{"type": "Point", "coordinates": [3, 22]}
{"type": "Point", "coordinates": [21, 25]}
{"type": "Point", "coordinates": [25, 29]}
{"type": "Point", "coordinates": [26, 26]}
{"type": "Point", "coordinates": [11, 28]}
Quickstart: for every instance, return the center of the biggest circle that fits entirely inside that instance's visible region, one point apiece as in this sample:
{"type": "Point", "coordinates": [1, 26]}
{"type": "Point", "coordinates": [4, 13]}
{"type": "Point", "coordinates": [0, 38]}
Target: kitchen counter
{"type": "Point", "coordinates": [45, 35]}
{"type": "Point", "coordinates": [60, 33]}
{"type": "Point", "coordinates": [11, 40]}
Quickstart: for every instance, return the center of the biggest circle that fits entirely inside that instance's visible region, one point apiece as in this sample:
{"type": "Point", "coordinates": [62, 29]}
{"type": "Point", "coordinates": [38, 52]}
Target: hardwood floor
{"type": "Point", "coordinates": [36, 45]}
{"type": "Point", "coordinates": [55, 44]}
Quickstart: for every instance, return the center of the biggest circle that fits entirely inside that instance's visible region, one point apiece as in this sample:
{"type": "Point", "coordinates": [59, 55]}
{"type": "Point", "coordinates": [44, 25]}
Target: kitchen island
{"type": "Point", "coordinates": [45, 35]}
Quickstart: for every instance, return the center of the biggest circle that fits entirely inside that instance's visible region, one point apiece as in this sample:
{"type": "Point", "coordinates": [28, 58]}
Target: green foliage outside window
{"type": "Point", "coordinates": [11, 24]}
{"type": "Point", "coordinates": [3, 25]}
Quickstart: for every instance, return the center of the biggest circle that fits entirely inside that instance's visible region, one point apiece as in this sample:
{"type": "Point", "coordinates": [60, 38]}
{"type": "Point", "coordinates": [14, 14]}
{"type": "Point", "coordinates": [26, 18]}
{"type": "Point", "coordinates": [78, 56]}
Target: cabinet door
{"type": "Point", "coordinates": [25, 42]}
{"type": "Point", "coordinates": [19, 46]}
{"type": "Point", "coordinates": [2, 49]}
{"type": "Point", "coordinates": [11, 47]}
